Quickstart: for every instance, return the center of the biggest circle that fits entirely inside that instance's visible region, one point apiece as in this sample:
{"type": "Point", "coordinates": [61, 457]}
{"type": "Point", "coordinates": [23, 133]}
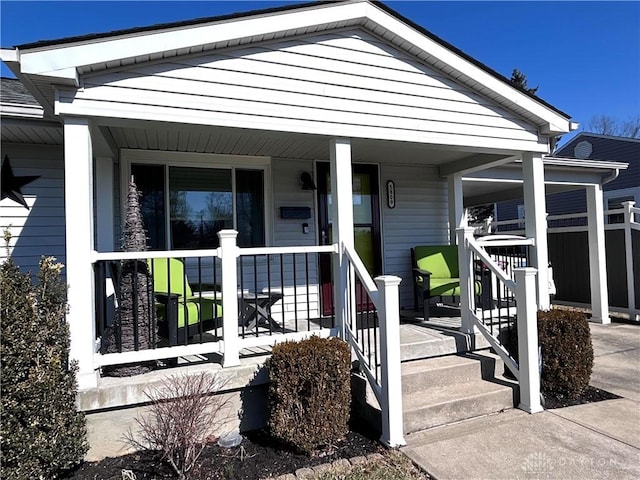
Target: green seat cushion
{"type": "Point", "coordinates": [208, 309]}
{"type": "Point", "coordinates": [169, 277]}
{"type": "Point", "coordinates": [444, 286]}
{"type": "Point", "coordinates": [440, 260]}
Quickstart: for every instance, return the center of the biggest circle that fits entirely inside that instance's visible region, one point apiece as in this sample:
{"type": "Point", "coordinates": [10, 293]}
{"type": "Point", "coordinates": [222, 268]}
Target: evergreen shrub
{"type": "Point", "coordinates": [42, 433]}
{"type": "Point", "coordinates": [309, 392]}
{"type": "Point", "coordinates": [567, 352]}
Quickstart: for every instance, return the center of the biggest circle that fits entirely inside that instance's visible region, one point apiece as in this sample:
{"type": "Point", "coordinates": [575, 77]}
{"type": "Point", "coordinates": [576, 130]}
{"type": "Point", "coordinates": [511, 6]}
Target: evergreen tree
{"type": "Point", "coordinates": [519, 79]}
{"type": "Point", "coordinates": [134, 322]}
{"type": "Point", "coordinates": [42, 433]}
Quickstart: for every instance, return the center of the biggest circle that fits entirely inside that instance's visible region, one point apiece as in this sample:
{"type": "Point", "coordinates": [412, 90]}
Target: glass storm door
{"type": "Point", "coordinates": [366, 220]}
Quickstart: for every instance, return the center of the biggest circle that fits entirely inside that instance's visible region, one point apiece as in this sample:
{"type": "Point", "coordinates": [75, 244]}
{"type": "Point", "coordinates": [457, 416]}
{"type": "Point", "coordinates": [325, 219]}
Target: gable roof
{"type": "Point", "coordinates": [42, 64]}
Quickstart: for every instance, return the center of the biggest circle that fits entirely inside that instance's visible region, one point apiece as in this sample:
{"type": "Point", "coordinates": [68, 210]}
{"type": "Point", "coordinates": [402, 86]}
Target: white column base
{"type": "Point", "coordinates": [87, 380]}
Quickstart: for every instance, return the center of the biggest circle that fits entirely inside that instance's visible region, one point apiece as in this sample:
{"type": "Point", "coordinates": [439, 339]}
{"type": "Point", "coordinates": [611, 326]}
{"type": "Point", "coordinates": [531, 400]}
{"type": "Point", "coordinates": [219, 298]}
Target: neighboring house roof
{"type": "Point", "coordinates": [46, 65]}
{"type": "Point", "coordinates": [595, 146]}
{"type": "Point", "coordinates": [592, 146]}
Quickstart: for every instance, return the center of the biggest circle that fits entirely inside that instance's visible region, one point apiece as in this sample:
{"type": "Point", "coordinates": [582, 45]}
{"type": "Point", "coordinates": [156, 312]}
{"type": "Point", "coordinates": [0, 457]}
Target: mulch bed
{"type": "Point", "coordinates": [258, 456]}
{"type": "Point", "coordinates": [590, 395]}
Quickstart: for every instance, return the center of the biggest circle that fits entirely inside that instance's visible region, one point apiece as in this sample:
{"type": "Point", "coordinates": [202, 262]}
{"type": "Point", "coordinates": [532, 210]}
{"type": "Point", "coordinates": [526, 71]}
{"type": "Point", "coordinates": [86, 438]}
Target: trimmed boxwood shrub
{"type": "Point", "coordinates": [309, 392]}
{"type": "Point", "coordinates": [567, 352]}
{"type": "Point", "coordinates": [42, 433]}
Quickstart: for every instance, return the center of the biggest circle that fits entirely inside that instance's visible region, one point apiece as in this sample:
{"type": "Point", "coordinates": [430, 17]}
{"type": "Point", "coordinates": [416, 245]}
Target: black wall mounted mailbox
{"type": "Point", "coordinates": [295, 213]}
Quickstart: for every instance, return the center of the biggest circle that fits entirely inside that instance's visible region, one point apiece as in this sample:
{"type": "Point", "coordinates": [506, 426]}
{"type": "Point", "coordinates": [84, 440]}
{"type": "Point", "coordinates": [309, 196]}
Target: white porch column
{"type": "Point", "coordinates": [228, 256]}
{"type": "Point", "coordinates": [390, 371]}
{"type": "Point", "coordinates": [536, 222]}
{"type": "Point", "coordinates": [104, 204]}
{"type": "Point", "coordinates": [457, 213]}
{"type": "Point", "coordinates": [628, 246]}
{"type": "Point", "coordinates": [528, 355]}
{"type": "Point", "coordinates": [342, 223]}
{"type": "Point", "coordinates": [78, 196]}
{"type": "Point", "coordinates": [597, 256]}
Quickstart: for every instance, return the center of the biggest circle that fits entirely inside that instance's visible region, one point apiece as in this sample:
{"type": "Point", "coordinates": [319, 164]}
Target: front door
{"type": "Point", "coordinates": [366, 222]}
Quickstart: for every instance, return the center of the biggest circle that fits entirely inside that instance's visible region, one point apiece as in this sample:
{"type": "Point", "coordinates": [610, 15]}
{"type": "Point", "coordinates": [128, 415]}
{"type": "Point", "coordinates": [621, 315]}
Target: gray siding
{"type": "Point", "coordinates": [41, 229]}
{"type": "Point", "coordinates": [345, 83]}
{"type": "Point", "coordinates": [419, 218]}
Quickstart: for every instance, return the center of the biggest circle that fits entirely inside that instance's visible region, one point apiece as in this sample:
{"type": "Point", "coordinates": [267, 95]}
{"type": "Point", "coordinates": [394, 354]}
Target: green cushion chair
{"type": "Point", "coordinates": [181, 314]}
{"type": "Point", "coordinates": [435, 273]}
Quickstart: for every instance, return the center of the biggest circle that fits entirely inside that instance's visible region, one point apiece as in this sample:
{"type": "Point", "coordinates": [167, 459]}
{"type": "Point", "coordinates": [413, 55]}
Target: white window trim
{"type": "Point", "coordinates": [200, 160]}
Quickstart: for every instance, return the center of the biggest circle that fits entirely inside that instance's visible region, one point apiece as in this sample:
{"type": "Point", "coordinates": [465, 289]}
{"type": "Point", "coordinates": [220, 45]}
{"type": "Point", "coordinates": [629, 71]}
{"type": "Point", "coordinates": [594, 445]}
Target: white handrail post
{"type": "Point", "coordinates": [628, 248]}
{"type": "Point", "coordinates": [465, 270]}
{"type": "Point", "coordinates": [391, 378]}
{"type": "Point", "coordinates": [527, 324]}
{"type": "Point", "coordinates": [228, 260]}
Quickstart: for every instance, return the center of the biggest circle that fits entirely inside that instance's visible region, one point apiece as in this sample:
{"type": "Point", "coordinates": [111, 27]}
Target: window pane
{"type": "Point", "coordinates": [250, 207]}
{"type": "Point", "coordinates": [200, 205]}
{"type": "Point", "coordinates": [150, 182]}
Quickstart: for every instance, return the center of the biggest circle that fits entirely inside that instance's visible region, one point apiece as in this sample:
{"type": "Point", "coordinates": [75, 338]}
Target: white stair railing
{"type": "Point", "coordinates": [526, 370]}
{"type": "Point", "coordinates": [383, 293]}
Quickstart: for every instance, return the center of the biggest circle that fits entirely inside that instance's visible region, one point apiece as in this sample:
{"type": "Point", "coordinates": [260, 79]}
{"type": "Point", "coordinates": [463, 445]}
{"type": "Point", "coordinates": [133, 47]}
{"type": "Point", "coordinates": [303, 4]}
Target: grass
{"type": "Point", "coordinates": [393, 465]}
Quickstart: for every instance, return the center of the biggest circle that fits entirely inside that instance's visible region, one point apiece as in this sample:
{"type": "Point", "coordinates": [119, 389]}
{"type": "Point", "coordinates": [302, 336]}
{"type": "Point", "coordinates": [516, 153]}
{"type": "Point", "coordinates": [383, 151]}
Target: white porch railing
{"type": "Point", "coordinates": [523, 288]}
{"type": "Point", "coordinates": [228, 281]}
{"type": "Point", "coordinates": [373, 309]}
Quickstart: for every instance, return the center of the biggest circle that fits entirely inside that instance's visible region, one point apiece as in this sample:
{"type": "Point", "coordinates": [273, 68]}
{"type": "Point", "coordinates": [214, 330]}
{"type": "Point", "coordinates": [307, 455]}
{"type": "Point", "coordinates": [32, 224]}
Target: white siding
{"type": "Point", "coordinates": [287, 192]}
{"type": "Point", "coordinates": [41, 229]}
{"type": "Point", "coordinates": [419, 218]}
{"type": "Point", "coordinates": [345, 83]}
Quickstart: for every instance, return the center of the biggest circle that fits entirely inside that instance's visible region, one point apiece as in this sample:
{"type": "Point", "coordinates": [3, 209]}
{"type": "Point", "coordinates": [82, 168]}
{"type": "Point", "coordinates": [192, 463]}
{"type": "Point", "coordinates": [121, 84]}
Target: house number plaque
{"type": "Point", "coordinates": [391, 194]}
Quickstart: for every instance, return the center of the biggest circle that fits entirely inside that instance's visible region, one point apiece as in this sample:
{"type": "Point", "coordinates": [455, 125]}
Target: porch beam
{"type": "Point", "coordinates": [472, 164]}
{"type": "Point", "coordinates": [457, 212]}
{"type": "Point", "coordinates": [342, 223]}
{"type": "Point", "coordinates": [78, 192]}
{"type": "Point", "coordinates": [536, 222]}
{"type": "Point", "coordinates": [597, 256]}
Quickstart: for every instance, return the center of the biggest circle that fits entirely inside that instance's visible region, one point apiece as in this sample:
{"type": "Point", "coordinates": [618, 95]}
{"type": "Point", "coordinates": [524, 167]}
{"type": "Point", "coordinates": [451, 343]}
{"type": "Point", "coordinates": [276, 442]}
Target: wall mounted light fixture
{"type": "Point", "coordinates": [307, 181]}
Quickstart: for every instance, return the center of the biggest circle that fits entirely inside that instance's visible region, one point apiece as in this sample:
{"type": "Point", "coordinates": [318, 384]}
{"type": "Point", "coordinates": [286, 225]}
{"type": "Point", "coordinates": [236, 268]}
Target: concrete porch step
{"type": "Point", "coordinates": [452, 403]}
{"type": "Point", "coordinates": [424, 374]}
{"type": "Point", "coordinates": [448, 389]}
{"type": "Point", "coordinates": [418, 341]}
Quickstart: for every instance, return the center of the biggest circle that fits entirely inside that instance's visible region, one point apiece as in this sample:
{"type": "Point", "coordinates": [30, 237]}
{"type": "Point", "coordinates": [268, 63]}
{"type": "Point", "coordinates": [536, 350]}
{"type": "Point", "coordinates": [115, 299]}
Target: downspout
{"type": "Point", "coordinates": [611, 177]}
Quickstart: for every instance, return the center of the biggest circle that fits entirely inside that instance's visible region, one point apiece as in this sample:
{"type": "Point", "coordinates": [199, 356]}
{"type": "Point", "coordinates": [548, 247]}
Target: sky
{"type": "Point", "coordinates": [583, 56]}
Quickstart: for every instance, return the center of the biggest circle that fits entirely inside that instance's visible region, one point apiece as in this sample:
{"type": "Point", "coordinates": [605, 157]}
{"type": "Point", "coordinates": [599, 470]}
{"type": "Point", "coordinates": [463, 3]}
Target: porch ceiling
{"type": "Point", "coordinates": [183, 138]}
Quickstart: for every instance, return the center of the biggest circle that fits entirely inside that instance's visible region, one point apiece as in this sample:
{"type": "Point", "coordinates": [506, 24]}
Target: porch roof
{"type": "Point", "coordinates": [43, 65]}
{"type": "Point", "coordinates": [504, 182]}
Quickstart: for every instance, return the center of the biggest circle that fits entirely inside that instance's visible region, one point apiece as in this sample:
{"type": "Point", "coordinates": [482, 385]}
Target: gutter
{"type": "Point", "coordinates": [611, 177]}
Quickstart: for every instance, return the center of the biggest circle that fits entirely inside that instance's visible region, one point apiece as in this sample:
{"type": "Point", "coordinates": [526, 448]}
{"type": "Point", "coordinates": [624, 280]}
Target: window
{"type": "Point", "coordinates": [188, 206]}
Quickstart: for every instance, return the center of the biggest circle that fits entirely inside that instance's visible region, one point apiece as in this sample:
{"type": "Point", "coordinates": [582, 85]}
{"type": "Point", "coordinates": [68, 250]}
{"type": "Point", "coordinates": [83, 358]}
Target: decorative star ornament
{"type": "Point", "coordinates": [11, 184]}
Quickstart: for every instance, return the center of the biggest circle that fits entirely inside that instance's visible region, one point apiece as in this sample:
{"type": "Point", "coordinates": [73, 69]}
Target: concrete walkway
{"type": "Point", "coordinates": [593, 441]}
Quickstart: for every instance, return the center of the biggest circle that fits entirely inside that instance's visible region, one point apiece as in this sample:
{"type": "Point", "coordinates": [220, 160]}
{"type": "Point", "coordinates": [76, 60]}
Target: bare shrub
{"type": "Point", "coordinates": [183, 414]}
